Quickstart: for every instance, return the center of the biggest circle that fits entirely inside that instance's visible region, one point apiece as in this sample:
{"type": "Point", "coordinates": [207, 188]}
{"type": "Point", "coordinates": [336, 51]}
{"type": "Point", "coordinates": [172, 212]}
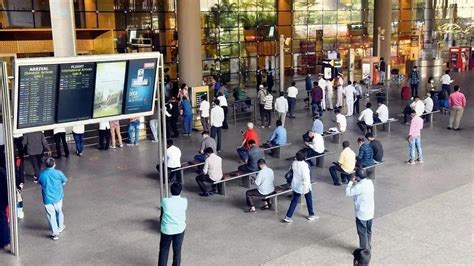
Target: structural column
{"type": "Point", "coordinates": [63, 27]}
{"type": "Point", "coordinates": [189, 42]}
{"type": "Point", "coordinates": [383, 20]}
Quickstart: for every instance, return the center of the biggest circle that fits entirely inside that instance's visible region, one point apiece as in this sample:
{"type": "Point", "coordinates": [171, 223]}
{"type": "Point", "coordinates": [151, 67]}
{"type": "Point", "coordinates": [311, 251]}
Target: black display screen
{"type": "Point", "coordinates": [76, 92]}
{"type": "Point", "coordinates": [37, 95]}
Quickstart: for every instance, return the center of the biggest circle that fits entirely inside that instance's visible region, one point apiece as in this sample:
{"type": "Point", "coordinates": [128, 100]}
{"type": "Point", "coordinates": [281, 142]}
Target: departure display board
{"type": "Point", "coordinates": [140, 85]}
{"type": "Point", "coordinates": [109, 87]}
{"type": "Point", "coordinates": [76, 92]}
{"type": "Point", "coordinates": [37, 95]}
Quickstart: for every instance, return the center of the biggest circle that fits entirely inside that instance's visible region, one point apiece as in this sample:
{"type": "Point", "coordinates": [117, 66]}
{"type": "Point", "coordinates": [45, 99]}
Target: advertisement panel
{"type": "Point", "coordinates": [140, 85]}
{"type": "Point", "coordinates": [109, 88]}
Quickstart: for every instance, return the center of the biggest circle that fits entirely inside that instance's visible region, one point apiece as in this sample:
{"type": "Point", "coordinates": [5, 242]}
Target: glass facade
{"type": "Point", "coordinates": [240, 35]}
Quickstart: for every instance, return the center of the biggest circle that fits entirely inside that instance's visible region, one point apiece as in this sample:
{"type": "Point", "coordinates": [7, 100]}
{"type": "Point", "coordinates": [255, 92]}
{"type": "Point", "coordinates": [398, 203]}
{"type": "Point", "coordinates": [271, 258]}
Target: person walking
{"type": "Point", "coordinates": [322, 84]}
{"type": "Point", "coordinates": [281, 106]}
{"type": "Point", "coordinates": [349, 92]}
{"type": "Point", "coordinates": [212, 172]}
{"type": "Point", "coordinates": [134, 131]}
{"type": "Point", "coordinates": [457, 102]}
{"type": "Point", "coordinates": [301, 185]}
{"type": "Point", "coordinates": [362, 189]}
{"type": "Point", "coordinates": [265, 187]}
{"type": "Point", "coordinates": [292, 93]}
{"type": "Point", "coordinates": [204, 109]}
{"type": "Point", "coordinates": [35, 144]}
{"type": "Point", "coordinates": [414, 81]}
{"type": "Point", "coordinates": [308, 86]}
{"type": "Point", "coordinates": [115, 131]}
{"type": "Point", "coordinates": [268, 108]}
{"type": "Point", "coordinates": [223, 103]}
{"type": "Point", "coordinates": [60, 137]}
{"type": "Point", "coordinates": [173, 225]}
{"type": "Point", "coordinates": [217, 120]}
{"type": "Point", "coordinates": [52, 182]}
{"type": "Point", "coordinates": [187, 113]}
{"type": "Point", "coordinates": [414, 138]}
{"type": "Point", "coordinates": [104, 135]}
{"type": "Point", "coordinates": [258, 77]}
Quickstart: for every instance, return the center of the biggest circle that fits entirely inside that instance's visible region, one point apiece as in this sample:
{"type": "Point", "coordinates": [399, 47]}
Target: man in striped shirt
{"type": "Point", "coordinates": [267, 110]}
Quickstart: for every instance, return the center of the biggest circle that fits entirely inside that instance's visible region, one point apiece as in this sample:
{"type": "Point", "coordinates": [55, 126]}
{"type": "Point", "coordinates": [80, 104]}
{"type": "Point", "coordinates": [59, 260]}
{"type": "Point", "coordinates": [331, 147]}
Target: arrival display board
{"type": "Point", "coordinates": [37, 95]}
{"type": "Point", "coordinates": [76, 85]}
{"type": "Point", "coordinates": [67, 91]}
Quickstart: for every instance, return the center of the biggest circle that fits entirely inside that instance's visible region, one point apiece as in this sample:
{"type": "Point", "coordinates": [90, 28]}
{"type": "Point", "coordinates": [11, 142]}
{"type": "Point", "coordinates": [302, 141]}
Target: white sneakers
{"type": "Point", "coordinates": [309, 218]}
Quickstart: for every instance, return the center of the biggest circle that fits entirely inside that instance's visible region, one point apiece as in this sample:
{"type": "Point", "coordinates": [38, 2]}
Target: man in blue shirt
{"type": "Point", "coordinates": [187, 116]}
{"type": "Point", "coordinates": [366, 154]}
{"type": "Point", "coordinates": [279, 135]}
{"type": "Point", "coordinates": [317, 127]}
{"type": "Point", "coordinates": [173, 225]}
{"type": "Point", "coordinates": [52, 182]}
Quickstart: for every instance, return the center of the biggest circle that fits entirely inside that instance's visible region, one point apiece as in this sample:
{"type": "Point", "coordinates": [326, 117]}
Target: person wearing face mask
{"type": "Point", "coordinates": [212, 172]}
{"type": "Point", "coordinates": [429, 85]}
{"type": "Point", "coordinates": [414, 81]}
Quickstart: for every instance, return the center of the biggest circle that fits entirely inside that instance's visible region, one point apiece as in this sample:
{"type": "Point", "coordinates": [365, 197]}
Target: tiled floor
{"type": "Point", "coordinates": [424, 213]}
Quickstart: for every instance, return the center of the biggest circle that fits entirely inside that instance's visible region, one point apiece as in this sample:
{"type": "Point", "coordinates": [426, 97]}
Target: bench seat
{"type": "Point", "coordinates": [231, 176]}
{"type": "Point", "coordinates": [279, 190]}
{"type": "Point", "coordinates": [276, 152]}
{"type": "Point", "coordinates": [336, 136]}
{"type": "Point", "coordinates": [388, 122]}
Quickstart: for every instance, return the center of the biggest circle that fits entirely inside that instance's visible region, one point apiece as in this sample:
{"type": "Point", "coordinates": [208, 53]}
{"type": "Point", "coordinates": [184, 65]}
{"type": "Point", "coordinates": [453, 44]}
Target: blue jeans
{"type": "Point", "coordinates": [414, 90]}
{"type": "Point", "coordinates": [291, 105]}
{"type": "Point", "coordinates": [187, 124]}
{"type": "Point", "coordinates": [79, 140]}
{"type": "Point", "coordinates": [317, 105]}
{"type": "Point", "coordinates": [415, 145]}
{"type": "Point", "coordinates": [243, 153]}
{"type": "Point", "coordinates": [294, 202]}
{"type": "Point", "coordinates": [200, 157]}
{"type": "Point", "coordinates": [55, 216]}
{"type": "Point", "coordinates": [134, 132]}
{"type": "Point", "coordinates": [446, 88]}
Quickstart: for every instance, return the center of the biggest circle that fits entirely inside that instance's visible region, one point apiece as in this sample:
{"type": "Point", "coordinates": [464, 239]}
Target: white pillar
{"type": "Point", "coordinates": [63, 27]}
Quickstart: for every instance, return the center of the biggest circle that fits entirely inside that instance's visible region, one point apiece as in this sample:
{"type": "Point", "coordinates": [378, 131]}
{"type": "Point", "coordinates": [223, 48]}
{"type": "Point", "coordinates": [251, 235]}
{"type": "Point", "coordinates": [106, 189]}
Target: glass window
{"type": "Point", "coordinates": [329, 17]}
{"type": "Point", "coordinates": [42, 19]}
{"type": "Point", "coordinates": [17, 5]}
{"type": "Point", "coordinates": [19, 19]}
{"type": "Point", "coordinates": [37, 4]}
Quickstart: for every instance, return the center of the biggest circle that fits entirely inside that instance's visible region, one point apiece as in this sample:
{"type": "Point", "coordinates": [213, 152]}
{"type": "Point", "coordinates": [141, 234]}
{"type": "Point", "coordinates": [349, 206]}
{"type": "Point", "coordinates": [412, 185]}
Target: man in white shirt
{"type": "Point", "coordinates": [349, 92]}
{"type": "Point", "coordinates": [217, 120]}
{"type": "Point", "coordinates": [315, 146]}
{"type": "Point", "coordinates": [381, 113]}
{"type": "Point", "coordinates": [362, 189]}
{"type": "Point", "coordinates": [292, 92]}
{"type": "Point", "coordinates": [446, 82]}
{"type": "Point", "coordinates": [428, 102]}
{"type": "Point", "coordinates": [340, 120]}
{"type": "Point", "coordinates": [281, 106]}
{"type": "Point", "coordinates": [212, 172]}
{"type": "Point", "coordinates": [60, 136]}
{"type": "Point", "coordinates": [204, 108]}
{"type": "Point", "coordinates": [366, 119]}
{"type": "Point", "coordinates": [322, 84]}
{"type": "Point", "coordinates": [358, 95]}
{"type": "Point", "coordinates": [418, 106]}
{"type": "Point", "coordinates": [265, 187]}
{"type": "Point", "coordinates": [173, 160]}
{"type": "Point", "coordinates": [223, 103]}
{"type": "Point", "coordinates": [339, 84]}
{"type": "Point", "coordinates": [262, 92]}
{"type": "Point", "coordinates": [328, 93]}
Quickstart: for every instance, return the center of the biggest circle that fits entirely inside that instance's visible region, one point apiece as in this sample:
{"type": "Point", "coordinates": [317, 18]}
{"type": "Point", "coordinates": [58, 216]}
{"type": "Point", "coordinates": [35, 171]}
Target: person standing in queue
{"type": "Point", "coordinates": [223, 103]}
{"type": "Point", "coordinates": [173, 225]}
{"type": "Point", "coordinates": [217, 120]}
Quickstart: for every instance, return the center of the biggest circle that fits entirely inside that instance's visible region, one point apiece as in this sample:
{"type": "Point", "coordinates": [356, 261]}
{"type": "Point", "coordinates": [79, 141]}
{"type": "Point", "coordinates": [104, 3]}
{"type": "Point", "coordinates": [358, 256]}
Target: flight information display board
{"type": "Point", "coordinates": [37, 95]}
{"type": "Point", "coordinates": [140, 85]}
{"type": "Point", "coordinates": [76, 92]}
{"type": "Point", "coordinates": [109, 87]}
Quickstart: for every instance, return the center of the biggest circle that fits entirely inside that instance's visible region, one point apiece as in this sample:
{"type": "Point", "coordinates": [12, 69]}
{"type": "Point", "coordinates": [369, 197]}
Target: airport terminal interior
{"type": "Point", "coordinates": [424, 212]}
